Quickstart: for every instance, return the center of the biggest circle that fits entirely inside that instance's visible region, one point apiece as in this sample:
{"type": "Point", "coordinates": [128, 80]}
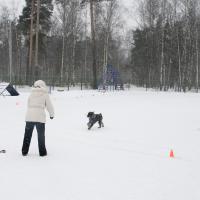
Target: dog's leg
{"type": "Point", "coordinates": [99, 123]}
{"type": "Point", "coordinates": [90, 126]}
{"type": "Point", "coordinates": [102, 124]}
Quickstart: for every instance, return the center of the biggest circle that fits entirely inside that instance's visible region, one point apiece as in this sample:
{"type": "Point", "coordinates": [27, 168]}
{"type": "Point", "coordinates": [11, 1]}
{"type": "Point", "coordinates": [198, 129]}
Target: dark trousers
{"type": "Point", "coordinates": [28, 135]}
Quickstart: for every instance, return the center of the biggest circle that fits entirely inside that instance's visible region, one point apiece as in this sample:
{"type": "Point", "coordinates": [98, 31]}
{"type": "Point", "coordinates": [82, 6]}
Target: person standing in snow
{"type": "Point", "coordinates": [35, 116]}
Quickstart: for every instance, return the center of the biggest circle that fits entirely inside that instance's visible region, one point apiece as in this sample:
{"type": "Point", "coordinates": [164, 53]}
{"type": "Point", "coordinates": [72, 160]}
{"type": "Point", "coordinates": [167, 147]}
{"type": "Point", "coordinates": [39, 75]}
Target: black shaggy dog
{"type": "Point", "coordinates": [93, 118]}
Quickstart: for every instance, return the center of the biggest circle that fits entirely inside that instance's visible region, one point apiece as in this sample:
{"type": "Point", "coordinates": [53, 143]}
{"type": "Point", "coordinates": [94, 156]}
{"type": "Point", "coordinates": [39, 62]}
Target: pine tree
{"type": "Point", "coordinates": [24, 25]}
{"type": "Point", "coordinates": [46, 10]}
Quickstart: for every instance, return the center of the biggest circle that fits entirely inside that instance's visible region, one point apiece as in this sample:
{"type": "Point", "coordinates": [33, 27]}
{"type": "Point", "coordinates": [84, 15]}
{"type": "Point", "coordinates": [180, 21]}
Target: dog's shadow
{"type": "Point", "coordinates": [94, 129]}
{"type": "Point", "coordinates": [198, 129]}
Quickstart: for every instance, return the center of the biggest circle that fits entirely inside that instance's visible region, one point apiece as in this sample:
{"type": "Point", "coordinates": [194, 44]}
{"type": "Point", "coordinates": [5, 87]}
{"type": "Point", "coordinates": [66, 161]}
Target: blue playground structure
{"type": "Point", "coordinates": [111, 79]}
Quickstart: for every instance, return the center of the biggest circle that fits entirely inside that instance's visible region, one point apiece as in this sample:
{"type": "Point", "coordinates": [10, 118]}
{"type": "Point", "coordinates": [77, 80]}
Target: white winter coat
{"type": "Point", "coordinates": [37, 102]}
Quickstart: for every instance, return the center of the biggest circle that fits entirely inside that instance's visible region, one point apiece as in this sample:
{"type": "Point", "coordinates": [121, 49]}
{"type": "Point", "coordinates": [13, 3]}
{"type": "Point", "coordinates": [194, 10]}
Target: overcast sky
{"type": "Point", "coordinates": [128, 9]}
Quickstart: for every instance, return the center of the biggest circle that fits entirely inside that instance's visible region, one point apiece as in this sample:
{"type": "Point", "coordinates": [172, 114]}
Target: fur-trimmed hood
{"type": "Point", "coordinates": [39, 87]}
{"type": "Point", "coordinates": [40, 84]}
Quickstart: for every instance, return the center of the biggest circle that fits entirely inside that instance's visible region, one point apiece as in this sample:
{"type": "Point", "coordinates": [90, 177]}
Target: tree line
{"type": "Point", "coordinates": [165, 50]}
{"type": "Point", "coordinates": [58, 42]}
{"type": "Point", "coordinates": [52, 41]}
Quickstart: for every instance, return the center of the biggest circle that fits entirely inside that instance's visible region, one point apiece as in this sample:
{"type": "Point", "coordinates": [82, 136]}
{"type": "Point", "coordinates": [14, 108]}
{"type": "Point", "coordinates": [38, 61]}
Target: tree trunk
{"type": "Point", "coordinates": [35, 71]}
{"type": "Point", "coordinates": [29, 70]}
{"type": "Point", "coordinates": [94, 65]}
{"type": "Point", "coordinates": [10, 52]}
{"type": "Point", "coordinates": [63, 46]}
{"type": "Point", "coordinates": [73, 53]}
{"type": "Point", "coordinates": [179, 64]}
{"type": "Point", "coordinates": [197, 61]}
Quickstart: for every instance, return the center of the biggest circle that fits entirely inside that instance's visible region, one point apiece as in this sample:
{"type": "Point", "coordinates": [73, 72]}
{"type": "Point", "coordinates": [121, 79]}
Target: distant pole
{"type": "Point", "coordinates": [10, 51]}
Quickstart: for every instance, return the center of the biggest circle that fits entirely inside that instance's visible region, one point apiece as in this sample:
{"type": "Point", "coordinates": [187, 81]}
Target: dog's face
{"type": "Point", "coordinates": [90, 114]}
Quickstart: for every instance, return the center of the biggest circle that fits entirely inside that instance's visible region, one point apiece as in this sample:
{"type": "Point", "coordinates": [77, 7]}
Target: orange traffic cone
{"type": "Point", "coordinates": [171, 154]}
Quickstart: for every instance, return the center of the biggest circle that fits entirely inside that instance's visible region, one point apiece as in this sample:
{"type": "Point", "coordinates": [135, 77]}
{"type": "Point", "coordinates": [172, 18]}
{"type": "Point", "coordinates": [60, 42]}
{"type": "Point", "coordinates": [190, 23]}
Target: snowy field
{"type": "Point", "coordinates": [128, 159]}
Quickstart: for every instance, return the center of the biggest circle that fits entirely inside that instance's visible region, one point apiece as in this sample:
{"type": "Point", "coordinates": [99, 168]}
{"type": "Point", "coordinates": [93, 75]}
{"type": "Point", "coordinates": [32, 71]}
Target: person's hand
{"type": "Point", "coordinates": [51, 117]}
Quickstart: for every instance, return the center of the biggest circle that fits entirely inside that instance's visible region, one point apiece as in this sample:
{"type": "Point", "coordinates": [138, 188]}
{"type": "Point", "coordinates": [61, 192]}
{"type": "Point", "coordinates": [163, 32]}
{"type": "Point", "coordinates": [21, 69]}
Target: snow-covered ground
{"type": "Point", "coordinates": [128, 159]}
